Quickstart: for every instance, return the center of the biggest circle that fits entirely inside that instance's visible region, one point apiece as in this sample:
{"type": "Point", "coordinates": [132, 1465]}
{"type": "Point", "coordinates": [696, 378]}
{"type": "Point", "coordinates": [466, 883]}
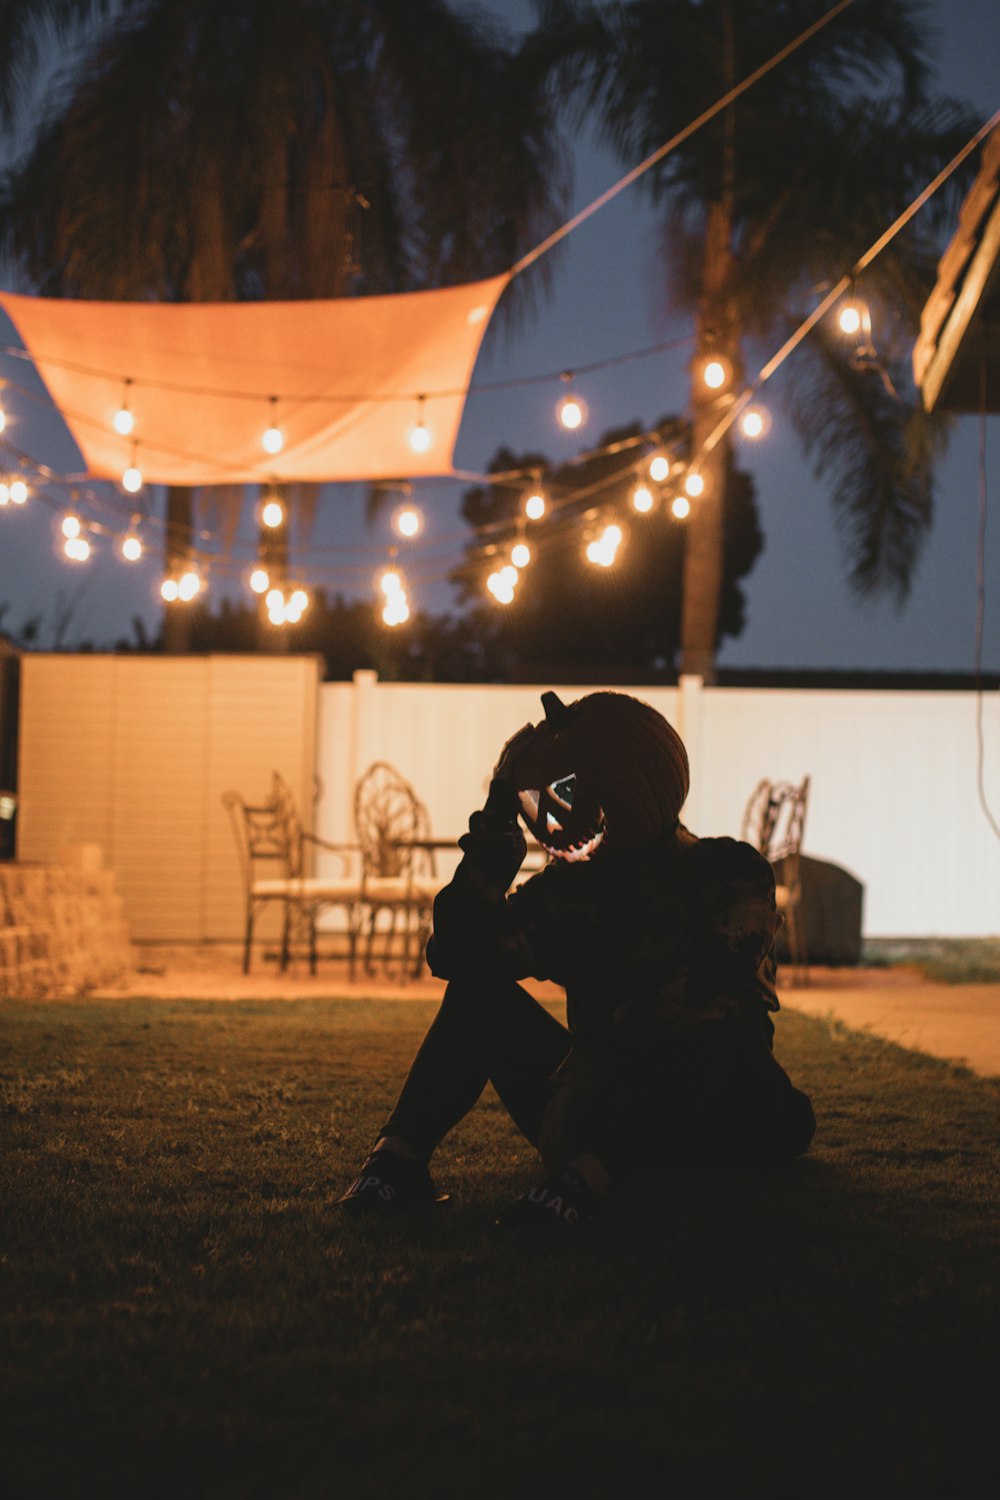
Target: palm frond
{"type": "Point", "coordinates": [875, 452]}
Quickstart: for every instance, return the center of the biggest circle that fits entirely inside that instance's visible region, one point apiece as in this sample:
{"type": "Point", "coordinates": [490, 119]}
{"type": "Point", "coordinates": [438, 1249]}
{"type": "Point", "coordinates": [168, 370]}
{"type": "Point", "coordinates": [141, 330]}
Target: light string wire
{"type": "Point", "coordinates": [677, 140]}
{"type": "Point", "coordinates": [981, 598]}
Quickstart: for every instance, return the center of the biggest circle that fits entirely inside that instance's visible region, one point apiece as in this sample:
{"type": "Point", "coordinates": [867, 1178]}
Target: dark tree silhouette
{"type": "Point", "coordinates": [569, 615]}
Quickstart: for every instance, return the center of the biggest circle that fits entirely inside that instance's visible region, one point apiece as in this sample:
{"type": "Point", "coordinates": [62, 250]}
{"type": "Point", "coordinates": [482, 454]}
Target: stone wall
{"type": "Point", "coordinates": [61, 929]}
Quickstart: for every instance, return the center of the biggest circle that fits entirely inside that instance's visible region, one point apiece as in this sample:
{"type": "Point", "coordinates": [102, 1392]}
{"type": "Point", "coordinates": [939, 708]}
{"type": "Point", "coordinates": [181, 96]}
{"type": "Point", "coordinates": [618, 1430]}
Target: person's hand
{"type": "Point", "coordinates": [495, 843]}
{"type": "Point", "coordinates": [502, 769]}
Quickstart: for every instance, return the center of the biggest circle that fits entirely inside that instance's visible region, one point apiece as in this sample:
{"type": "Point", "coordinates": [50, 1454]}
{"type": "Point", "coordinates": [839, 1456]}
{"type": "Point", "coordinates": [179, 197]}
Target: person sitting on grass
{"type": "Point", "coordinates": [664, 945]}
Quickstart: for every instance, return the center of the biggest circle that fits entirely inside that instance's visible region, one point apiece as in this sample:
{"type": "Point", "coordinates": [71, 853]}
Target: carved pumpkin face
{"type": "Point", "coordinates": [606, 773]}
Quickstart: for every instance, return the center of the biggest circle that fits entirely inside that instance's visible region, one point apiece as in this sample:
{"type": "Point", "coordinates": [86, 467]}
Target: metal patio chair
{"type": "Point", "coordinates": [398, 875]}
{"type": "Point", "coordinates": [275, 852]}
{"type": "Point", "coordinates": [773, 822]}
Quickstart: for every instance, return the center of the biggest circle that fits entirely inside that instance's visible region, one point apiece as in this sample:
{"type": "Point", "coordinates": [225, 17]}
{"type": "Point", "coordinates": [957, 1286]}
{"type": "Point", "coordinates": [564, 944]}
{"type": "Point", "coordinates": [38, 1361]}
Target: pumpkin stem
{"type": "Point", "coordinates": [556, 712]}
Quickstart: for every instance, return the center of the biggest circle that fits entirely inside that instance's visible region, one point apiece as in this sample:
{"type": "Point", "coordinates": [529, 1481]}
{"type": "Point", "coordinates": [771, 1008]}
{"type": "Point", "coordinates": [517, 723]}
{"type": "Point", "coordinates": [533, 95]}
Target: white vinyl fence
{"type": "Point", "coordinates": [893, 796]}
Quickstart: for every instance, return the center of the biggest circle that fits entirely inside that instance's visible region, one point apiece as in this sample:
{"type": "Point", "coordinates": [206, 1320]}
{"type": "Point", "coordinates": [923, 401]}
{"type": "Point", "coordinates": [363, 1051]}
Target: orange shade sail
{"type": "Point", "coordinates": [345, 376]}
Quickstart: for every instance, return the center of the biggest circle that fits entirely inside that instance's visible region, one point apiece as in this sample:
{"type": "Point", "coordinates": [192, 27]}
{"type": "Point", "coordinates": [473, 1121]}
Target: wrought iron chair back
{"type": "Point", "coordinates": [397, 869]}
{"type": "Point", "coordinates": [774, 821]}
{"type": "Point", "coordinates": [274, 851]}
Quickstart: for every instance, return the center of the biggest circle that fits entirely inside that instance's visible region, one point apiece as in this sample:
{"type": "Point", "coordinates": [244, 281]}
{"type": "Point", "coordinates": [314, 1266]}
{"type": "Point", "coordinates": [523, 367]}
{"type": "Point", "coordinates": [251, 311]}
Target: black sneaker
{"type": "Point", "coordinates": [564, 1203]}
{"type": "Point", "coordinates": [388, 1182]}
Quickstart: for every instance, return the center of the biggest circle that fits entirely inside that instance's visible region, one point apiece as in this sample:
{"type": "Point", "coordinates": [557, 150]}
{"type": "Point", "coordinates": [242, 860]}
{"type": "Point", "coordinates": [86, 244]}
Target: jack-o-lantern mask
{"type": "Point", "coordinates": [606, 773]}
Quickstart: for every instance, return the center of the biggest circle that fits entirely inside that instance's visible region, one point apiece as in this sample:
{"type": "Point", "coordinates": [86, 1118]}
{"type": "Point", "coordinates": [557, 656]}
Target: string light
{"type": "Point", "coordinates": [124, 420]}
{"type": "Point", "coordinates": [409, 521]}
{"type": "Point", "coordinates": [18, 491]}
{"type": "Point", "coordinates": [603, 550]}
{"type": "Point", "coordinates": [4, 494]}
{"type": "Point", "coordinates": [273, 439]}
{"type": "Point", "coordinates": [396, 610]}
{"type": "Point", "coordinates": [571, 410]}
{"type": "Point", "coordinates": [3, 419]}
{"type": "Point", "coordinates": [169, 590]}
{"type": "Point", "coordinates": [642, 499]}
{"type": "Point", "coordinates": [501, 588]}
{"type": "Point", "coordinates": [854, 318]}
{"type": "Point", "coordinates": [755, 423]}
{"type": "Point", "coordinates": [272, 512]}
{"type": "Point", "coordinates": [259, 580]}
{"type": "Point", "coordinates": [71, 526]}
{"type": "Point", "coordinates": [714, 374]}
{"type": "Point", "coordinates": [188, 586]}
{"type": "Point", "coordinates": [680, 507]}
{"type": "Point", "coordinates": [659, 468]}
{"type": "Point", "coordinates": [76, 548]}
{"type": "Point", "coordinates": [534, 506]}
{"type": "Point", "coordinates": [132, 478]}
{"type": "Point", "coordinates": [520, 554]}
{"type": "Point", "coordinates": [420, 437]}
{"type": "Point", "coordinates": [694, 484]}
{"type": "Point", "coordinates": [131, 548]}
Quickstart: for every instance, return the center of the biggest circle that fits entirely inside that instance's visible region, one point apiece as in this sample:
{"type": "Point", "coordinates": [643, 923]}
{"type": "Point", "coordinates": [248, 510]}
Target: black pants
{"type": "Point", "coordinates": [719, 1098]}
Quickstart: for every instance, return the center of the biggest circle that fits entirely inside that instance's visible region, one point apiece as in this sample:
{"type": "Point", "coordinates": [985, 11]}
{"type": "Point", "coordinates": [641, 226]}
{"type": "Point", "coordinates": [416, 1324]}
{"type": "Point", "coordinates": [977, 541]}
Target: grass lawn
{"type": "Point", "coordinates": [184, 1315]}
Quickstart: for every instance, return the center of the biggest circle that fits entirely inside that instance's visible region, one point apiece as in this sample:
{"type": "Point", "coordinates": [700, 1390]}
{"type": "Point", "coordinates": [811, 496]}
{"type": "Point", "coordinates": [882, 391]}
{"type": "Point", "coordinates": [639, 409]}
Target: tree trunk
{"type": "Point", "coordinates": [717, 334]}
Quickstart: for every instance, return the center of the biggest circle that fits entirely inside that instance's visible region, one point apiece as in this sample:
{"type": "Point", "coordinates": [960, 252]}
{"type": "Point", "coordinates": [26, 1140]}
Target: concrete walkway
{"type": "Point", "coordinates": [957, 1022]}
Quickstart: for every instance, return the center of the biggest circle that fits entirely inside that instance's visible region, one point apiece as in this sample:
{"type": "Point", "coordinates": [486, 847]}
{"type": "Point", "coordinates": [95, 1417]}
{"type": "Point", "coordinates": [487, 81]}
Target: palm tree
{"type": "Point", "coordinates": [319, 148]}
{"type": "Point", "coordinates": [774, 199]}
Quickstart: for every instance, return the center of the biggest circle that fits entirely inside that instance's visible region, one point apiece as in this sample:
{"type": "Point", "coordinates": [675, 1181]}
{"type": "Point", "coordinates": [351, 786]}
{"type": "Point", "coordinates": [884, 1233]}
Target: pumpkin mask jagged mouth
{"type": "Point", "coordinates": [558, 827]}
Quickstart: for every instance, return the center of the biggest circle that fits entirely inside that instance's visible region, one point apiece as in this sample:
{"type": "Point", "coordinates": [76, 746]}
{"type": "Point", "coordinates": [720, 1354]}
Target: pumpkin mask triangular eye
{"type": "Point", "coordinates": [562, 791]}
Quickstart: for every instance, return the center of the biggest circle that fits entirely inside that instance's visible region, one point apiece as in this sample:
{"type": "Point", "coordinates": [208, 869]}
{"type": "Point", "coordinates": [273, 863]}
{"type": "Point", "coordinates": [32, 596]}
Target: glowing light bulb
{"type": "Point", "coordinates": [272, 512]}
{"type": "Point", "coordinates": [571, 412]}
{"type": "Point", "coordinates": [850, 319]}
{"type": "Point", "coordinates": [77, 548]}
{"type": "Point", "coordinates": [752, 423]}
{"type": "Point", "coordinates": [71, 526]}
{"type": "Point", "coordinates": [277, 613]}
{"type": "Point", "coordinates": [534, 506]}
{"type": "Point", "coordinates": [396, 611]}
{"type": "Point", "coordinates": [420, 440]}
{"type": "Point", "coordinates": [169, 590]}
{"type": "Point", "coordinates": [188, 586]}
{"type": "Point", "coordinates": [508, 575]}
{"type": "Point", "coordinates": [694, 484]}
{"type": "Point", "coordinates": [131, 549]}
{"type": "Point", "coordinates": [409, 521]}
{"type": "Point", "coordinates": [293, 613]}
{"type": "Point", "coordinates": [132, 480]}
{"type": "Point", "coordinates": [273, 439]}
{"type": "Point", "coordinates": [274, 599]}
{"type": "Point", "coordinates": [4, 494]}
{"type": "Point", "coordinates": [390, 582]}
{"type": "Point", "coordinates": [259, 580]}
{"type": "Point", "coordinates": [642, 499]}
{"type": "Point", "coordinates": [3, 419]}
{"type": "Point", "coordinates": [18, 491]}
{"type": "Point", "coordinates": [680, 505]}
{"type": "Point", "coordinates": [299, 600]}
{"type": "Point", "coordinates": [714, 374]}
{"type": "Point", "coordinates": [612, 535]}
{"type": "Point", "coordinates": [520, 554]}
{"type": "Point", "coordinates": [659, 468]}
{"type": "Point", "coordinates": [123, 421]}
